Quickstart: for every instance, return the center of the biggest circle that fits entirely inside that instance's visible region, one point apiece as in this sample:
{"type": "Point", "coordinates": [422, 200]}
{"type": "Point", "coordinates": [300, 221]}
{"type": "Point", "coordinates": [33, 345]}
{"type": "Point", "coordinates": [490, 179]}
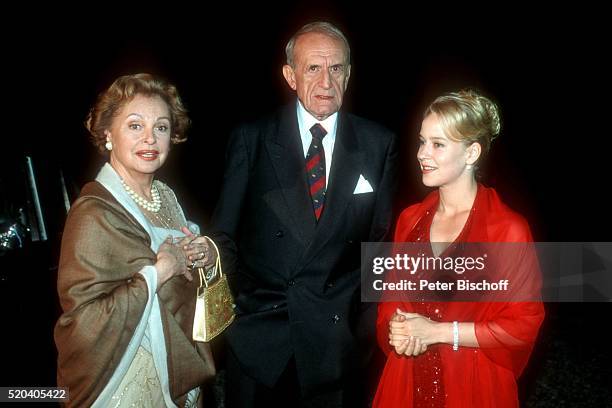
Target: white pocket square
{"type": "Point", "coordinates": [362, 186]}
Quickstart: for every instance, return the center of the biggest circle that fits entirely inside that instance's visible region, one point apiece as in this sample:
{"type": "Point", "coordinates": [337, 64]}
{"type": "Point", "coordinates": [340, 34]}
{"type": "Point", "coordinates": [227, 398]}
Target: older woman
{"type": "Point", "coordinates": [126, 291]}
{"type": "Point", "coordinates": [459, 354]}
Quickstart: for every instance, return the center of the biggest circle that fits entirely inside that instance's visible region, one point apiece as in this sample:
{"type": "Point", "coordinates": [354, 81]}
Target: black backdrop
{"type": "Point", "coordinates": [544, 67]}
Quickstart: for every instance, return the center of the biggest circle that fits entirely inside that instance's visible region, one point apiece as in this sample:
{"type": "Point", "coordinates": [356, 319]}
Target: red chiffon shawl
{"type": "Point", "coordinates": [472, 377]}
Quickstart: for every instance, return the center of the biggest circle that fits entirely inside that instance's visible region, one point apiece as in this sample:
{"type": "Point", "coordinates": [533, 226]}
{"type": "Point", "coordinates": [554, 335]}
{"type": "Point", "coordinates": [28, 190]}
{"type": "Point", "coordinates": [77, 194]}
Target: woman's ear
{"type": "Point", "coordinates": [109, 142]}
{"type": "Point", "coordinates": [473, 153]}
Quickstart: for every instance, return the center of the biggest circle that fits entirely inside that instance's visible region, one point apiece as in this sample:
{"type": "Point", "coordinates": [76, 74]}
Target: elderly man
{"type": "Point", "coordinates": [302, 189]}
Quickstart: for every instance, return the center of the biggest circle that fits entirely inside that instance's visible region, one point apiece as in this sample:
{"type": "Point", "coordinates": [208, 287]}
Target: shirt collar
{"type": "Point", "coordinates": [306, 121]}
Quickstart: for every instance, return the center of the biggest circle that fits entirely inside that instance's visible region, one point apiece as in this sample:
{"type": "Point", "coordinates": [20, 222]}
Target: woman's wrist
{"type": "Point", "coordinates": [162, 276]}
{"type": "Point", "coordinates": [445, 332]}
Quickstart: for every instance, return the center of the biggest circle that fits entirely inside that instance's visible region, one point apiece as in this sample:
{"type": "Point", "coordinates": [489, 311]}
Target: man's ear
{"type": "Point", "coordinates": [289, 75]}
{"type": "Point", "coordinates": [348, 75]}
{"type": "Point", "coordinates": [473, 153]}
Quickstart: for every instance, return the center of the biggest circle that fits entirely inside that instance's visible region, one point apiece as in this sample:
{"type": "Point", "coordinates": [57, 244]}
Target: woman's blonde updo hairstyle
{"type": "Point", "coordinates": [466, 116]}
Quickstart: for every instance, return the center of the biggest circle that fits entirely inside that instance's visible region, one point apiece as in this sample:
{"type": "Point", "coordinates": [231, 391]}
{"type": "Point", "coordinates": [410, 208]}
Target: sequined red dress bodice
{"type": "Point", "coordinates": [428, 385]}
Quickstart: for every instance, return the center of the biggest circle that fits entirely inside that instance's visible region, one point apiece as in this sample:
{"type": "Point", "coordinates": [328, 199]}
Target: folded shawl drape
{"type": "Point", "coordinates": [103, 297]}
{"type": "Point", "coordinates": [506, 331]}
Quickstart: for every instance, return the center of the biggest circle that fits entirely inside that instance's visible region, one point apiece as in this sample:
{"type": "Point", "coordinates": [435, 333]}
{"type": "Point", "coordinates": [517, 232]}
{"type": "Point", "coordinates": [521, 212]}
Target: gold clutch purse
{"type": "Point", "coordinates": [214, 310]}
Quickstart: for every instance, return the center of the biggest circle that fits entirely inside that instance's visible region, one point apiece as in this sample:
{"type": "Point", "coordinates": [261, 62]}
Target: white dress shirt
{"type": "Point", "coordinates": [305, 122]}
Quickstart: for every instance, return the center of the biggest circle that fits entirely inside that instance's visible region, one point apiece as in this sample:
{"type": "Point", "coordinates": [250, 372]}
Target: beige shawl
{"type": "Point", "coordinates": [103, 297]}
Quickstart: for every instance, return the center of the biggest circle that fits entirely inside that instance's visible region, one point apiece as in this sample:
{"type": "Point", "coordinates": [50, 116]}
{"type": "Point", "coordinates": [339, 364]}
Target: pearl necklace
{"type": "Point", "coordinates": [143, 202]}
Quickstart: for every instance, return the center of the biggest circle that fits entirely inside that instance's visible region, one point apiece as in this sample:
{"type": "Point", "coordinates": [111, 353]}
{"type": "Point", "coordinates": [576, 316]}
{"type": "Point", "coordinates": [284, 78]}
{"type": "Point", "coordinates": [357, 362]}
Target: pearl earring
{"type": "Point", "coordinates": [109, 145]}
{"type": "Point", "coordinates": [468, 166]}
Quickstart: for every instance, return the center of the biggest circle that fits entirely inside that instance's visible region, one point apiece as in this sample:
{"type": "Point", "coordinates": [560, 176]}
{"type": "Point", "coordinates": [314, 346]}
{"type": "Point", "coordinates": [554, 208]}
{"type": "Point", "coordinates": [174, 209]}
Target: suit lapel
{"type": "Point", "coordinates": [287, 156]}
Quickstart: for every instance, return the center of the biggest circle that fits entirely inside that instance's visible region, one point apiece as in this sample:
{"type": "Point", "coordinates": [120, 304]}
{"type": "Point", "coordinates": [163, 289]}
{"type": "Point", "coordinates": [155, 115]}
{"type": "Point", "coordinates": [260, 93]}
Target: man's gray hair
{"type": "Point", "coordinates": [321, 27]}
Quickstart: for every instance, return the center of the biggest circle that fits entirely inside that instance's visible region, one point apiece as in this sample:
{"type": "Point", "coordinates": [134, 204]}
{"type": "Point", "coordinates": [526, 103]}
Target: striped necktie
{"type": "Point", "coordinates": [315, 169]}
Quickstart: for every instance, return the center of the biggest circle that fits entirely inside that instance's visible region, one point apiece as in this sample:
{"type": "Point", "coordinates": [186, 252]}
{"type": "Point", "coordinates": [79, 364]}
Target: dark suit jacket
{"type": "Point", "coordinates": [297, 282]}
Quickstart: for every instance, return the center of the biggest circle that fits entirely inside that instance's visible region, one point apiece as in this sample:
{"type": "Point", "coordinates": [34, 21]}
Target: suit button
{"type": "Point", "coordinates": [291, 282]}
{"type": "Point", "coordinates": [350, 242]}
{"type": "Point", "coordinates": [336, 319]}
{"type": "Point", "coordinates": [274, 306]}
{"type": "Point", "coordinates": [280, 234]}
{"type": "Point", "coordinates": [330, 284]}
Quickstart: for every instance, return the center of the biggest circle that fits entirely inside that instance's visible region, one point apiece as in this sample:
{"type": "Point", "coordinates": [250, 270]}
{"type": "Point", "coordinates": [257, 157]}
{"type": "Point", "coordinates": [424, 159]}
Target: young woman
{"type": "Point", "coordinates": [458, 354]}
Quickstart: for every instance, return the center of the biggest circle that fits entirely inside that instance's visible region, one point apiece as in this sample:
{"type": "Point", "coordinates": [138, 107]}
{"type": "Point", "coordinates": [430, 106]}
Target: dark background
{"type": "Point", "coordinates": [545, 68]}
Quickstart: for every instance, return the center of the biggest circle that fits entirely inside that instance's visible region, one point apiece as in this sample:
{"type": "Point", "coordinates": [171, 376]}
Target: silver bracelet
{"type": "Point", "coordinates": [455, 336]}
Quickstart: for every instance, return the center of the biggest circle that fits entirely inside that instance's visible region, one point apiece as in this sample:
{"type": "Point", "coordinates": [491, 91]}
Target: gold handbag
{"type": "Point", "coordinates": [214, 310]}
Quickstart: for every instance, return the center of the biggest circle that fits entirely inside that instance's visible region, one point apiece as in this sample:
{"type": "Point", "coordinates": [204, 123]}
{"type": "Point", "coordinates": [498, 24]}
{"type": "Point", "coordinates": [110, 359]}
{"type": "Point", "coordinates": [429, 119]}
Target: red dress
{"type": "Point", "coordinates": [506, 331]}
